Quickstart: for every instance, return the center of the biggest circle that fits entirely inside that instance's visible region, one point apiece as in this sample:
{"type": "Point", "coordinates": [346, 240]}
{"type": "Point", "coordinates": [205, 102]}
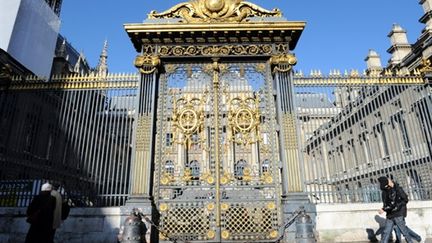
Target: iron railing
{"type": "Point", "coordinates": [77, 130]}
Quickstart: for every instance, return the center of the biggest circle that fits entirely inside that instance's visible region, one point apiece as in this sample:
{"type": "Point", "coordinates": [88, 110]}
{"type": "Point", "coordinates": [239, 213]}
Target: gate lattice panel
{"type": "Point", "coordinates": [216, 174]}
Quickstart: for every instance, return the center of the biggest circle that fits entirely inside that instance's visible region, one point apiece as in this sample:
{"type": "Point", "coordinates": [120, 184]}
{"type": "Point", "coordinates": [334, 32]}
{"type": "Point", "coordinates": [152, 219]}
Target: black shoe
{"type": "Point", "coordinates": [371, 235]}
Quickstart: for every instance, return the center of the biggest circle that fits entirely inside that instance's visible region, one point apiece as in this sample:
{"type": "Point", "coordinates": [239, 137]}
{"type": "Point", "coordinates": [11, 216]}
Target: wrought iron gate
{"type": "Point", "coordinates": [217, 176]}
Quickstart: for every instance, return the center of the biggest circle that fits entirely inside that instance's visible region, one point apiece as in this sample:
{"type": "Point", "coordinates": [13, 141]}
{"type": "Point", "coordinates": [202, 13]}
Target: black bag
{"type": "Point", "coordinates": [34, 217]}
{"type": "Point", "coordinates": [65, 210]}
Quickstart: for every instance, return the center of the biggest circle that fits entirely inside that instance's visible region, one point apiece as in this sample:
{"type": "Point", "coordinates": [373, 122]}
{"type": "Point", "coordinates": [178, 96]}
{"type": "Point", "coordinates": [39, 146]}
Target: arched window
{"type": "Point", "coordinates": [239, 168]}
{"type": "Point", "coordinates": [169, 167]}
{"type": "Point", "coordinates": [194, 166]}
{"type": "Point", "coordinates": [265, 167]}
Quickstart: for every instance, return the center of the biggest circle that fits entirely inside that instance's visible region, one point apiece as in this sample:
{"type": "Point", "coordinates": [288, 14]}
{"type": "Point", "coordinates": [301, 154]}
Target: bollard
{"type": "Point", "coordinates": [304, 229]}
{"type": "Point", "coordinates": [134, 229]}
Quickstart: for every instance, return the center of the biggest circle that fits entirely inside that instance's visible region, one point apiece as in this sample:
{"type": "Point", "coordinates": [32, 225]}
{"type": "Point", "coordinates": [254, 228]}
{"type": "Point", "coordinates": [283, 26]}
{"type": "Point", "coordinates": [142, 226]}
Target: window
{"type": "Point", "coordinates": [400, 122]}
{"type": "Point", "coordinates": [169, 139]}
{"type": "Point", "coordinates": [382, 139]}
{"type": "Point", "coordinates": [194, 166]}
{"type": "Point", "coordinates": [169, 167]}
{"type": "Point", "coordinates": [352, 145]}
{"type": "Point", "coordinates": [239, 168]}
{"type": "Point", "coordinates": [265, 167]}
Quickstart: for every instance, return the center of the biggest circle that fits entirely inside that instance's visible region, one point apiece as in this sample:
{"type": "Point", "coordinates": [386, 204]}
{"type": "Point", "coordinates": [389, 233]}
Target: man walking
{"type": "Point", "coordinates": [40, 214]}
{"type": "Point", "coordinates": [394, 204]}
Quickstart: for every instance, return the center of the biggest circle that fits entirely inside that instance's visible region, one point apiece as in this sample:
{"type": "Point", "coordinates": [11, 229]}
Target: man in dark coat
{"type": "Point", "coordinates": [394, 200]}
{"type": "Point", "coordinates": [40, 215]}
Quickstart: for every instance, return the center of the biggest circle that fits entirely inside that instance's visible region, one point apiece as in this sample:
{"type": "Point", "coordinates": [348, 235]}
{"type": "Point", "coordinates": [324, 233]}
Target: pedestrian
{"type": "Point", "coordinates": [57, 220]}
{"type": "Point", "coordinates": [394, 205]}
{"type": "Point", "coordinates": [40, 215]}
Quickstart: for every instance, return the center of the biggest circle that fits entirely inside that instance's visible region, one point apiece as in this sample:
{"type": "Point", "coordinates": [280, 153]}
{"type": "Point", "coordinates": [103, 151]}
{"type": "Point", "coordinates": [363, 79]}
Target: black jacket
{"type": "Point", "coordinates": [395, 201]}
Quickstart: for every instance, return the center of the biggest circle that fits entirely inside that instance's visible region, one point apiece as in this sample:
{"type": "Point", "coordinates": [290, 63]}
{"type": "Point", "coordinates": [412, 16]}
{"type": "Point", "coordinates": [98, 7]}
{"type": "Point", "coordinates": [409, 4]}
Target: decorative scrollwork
{"type": "Point", "coordinates": [198, 11]}
{"type": "Point", "coordinates": [147, 64]}
{"type": "Point", "coordinates": [216, 50]}
{"type": "Point", "coordinates": [244, 120]}
{"type": "Point", "coordinates": [188, 120]}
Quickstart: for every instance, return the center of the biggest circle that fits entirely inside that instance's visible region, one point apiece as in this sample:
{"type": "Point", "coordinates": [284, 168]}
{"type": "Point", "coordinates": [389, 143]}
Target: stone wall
{"type": "Point", "coordinates": [334, 223]}
{"type": "Point", "coordinates": [348, 222]}
{"type": "Point", "coordinates": [83, 225]}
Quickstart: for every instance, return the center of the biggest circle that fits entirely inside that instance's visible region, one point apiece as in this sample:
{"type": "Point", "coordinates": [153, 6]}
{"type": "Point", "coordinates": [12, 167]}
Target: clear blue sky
{"type": "Point", "coordinates": [338, 33]}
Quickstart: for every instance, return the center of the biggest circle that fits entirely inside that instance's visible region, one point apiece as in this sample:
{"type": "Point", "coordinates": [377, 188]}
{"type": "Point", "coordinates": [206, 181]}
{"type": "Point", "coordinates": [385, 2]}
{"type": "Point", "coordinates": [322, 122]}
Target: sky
{"type": "Point", "coordinates": [338, 33]}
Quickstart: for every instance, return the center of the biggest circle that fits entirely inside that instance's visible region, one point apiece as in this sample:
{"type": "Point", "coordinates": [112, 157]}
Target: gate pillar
{"type": "Point", "coordinates": [143, 139]}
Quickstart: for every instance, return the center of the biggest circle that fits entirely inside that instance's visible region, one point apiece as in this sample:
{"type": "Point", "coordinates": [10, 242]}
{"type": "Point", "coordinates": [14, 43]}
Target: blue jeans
{"type": "Point", "coordinates": [388, 228]}
{"type": "Point", "coordinates": [413, 234]}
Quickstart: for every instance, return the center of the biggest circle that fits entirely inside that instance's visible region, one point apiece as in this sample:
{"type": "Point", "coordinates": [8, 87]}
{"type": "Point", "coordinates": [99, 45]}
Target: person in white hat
{"type": "Point", "coordinates": [40, 214]}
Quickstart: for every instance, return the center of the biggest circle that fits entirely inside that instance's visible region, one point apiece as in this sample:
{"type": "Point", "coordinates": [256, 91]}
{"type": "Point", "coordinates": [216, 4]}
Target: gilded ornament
{"type": "Point", "coordinates": [163, 207]}
{"type": "Point", "coordinates": [215, 50]}
{"type": "Point", "coordinates": [244, 120]}
{"type": "Point", "coordinates": [191, 50]}
{"type": "Point", "coordinates": [269, 180]}
{"type": "Point", "coordinates": [162, 236]}
{"type": "Point", "coordinates": [267, 49]}
{"type": "Point", "coordinates": [211, 206]}
{"type": "Point", "coordinates": [211, 234]}
{"type": "Point", "coordinates": [238, 49]}
{"type": "Point", "coordinates": [273, 234]}
{"type": "Point", "coordinates": [283, 63]}
{"type": "Point", "coordinates": [426, 66]}
{"type": "Point", "coordinates": [261, 67]}
{"type": "Point", "coordinates": [187, 175]}
{"type": "Point", "coordinates": [164, 50]}
{"type": "Point", "coordinates": [178, 51]}
{"type": "Point", "coordinates": [199, 11]}
{"type": "Point", "coordinates": [224, 206]}
{"type": "Point", "coordinates": [271, 205]}
{"type": "Point", "coordinates": [164, 181]}
{"type": "Point", "coordinates": [166, 178]}
{"type": "Point", "coordinates": [147, 64]}
{"type": "Point", "coordinates": [253, 49]}
{"type": "Point", "coordinates": [247, 175]}
{"type": "Point", "coordinates": [266, 178]}
{"type": "Point", "coordinates": [210, 180]}
{"type": "Point", "coordinates": [225, 234]}
{"type": "Point", "coordinates": [188, 120]}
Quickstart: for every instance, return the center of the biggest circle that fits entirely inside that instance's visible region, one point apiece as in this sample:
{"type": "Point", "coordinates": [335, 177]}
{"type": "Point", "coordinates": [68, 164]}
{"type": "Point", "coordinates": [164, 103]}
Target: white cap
{"type": "Point", "coordinates": [46, 187]}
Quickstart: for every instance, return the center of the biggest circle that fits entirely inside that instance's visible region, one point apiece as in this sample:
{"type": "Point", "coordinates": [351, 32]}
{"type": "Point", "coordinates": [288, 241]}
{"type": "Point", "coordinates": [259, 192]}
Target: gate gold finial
{"type": "Point", "coordinates": [198, 11]}
{"type": "Point", "coordinates": [147, 64]}
{"type": "Point", "coordinates": [426, 66]}
{"type": "Point", "coordinates": [283, 62]}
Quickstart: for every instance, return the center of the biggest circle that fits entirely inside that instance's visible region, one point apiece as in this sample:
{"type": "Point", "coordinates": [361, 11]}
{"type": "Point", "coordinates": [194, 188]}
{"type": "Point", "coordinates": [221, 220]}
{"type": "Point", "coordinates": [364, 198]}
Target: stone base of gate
{"type": "Point", "coordinates": [290, 204]}
{"type": "Point", "coordinates": [146, 206]}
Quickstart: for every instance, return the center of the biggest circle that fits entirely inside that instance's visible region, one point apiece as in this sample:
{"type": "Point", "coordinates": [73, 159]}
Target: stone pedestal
{"type": "Point", "coordinates": [290, 204]}
{"type": "Point", "coordinates": [145, 205]}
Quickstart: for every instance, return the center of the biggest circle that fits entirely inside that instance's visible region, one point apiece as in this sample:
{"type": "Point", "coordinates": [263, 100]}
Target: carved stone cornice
{"type": "Point", "coordinates": [198, 11]}
{"type": "Point", "coordinates": [283, 62]}
{"type": "Point", "coordinates": [147, 64]}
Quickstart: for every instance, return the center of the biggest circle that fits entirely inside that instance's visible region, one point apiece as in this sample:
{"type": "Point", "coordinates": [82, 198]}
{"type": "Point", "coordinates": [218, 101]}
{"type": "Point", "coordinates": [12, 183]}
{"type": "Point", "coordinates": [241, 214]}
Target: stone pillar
{"type": "Point", "coordinates": [293, 195]}
{"type": "Point", "coordinates": [289, 149]}
{"type": "Point", "coordinates": [144, 139]}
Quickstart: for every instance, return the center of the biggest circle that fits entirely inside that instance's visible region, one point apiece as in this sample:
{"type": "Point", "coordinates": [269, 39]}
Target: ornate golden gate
{"type": "Point", "coordinates": [215, 73]}
{"type": "Point", "coordinates": [217, 115]}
